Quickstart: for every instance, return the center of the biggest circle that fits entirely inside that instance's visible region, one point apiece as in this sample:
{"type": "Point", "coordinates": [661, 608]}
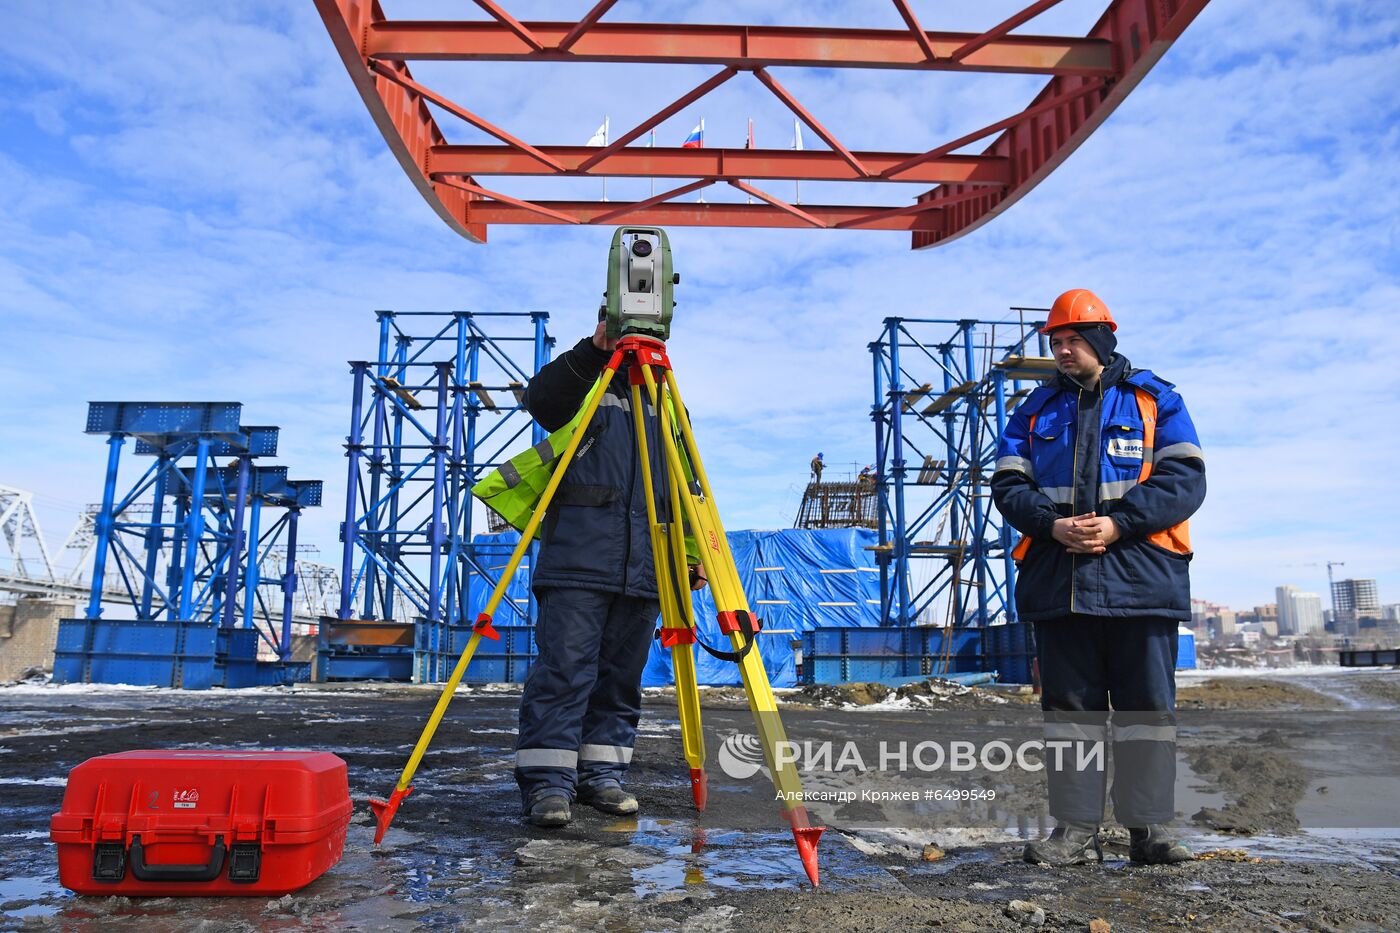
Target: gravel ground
{"type": "Point", "coordinates": [459, 857]}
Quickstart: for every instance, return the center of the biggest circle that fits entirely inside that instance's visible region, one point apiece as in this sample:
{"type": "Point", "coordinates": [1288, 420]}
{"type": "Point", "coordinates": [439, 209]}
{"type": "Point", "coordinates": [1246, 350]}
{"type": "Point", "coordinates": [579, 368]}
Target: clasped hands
{"type": "Point", "coordinates": [1086, 534]}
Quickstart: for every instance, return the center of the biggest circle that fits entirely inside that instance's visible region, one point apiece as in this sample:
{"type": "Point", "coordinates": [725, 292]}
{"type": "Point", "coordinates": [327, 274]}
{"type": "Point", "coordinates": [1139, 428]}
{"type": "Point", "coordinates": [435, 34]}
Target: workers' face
{"type": "Point", "coordinates": [1074, 356]}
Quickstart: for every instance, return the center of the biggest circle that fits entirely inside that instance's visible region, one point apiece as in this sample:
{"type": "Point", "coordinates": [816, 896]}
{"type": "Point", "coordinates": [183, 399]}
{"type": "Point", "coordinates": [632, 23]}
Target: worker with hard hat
{"type": "Point", "coordinates": [818, 464]}
{"type": "Point", "coordinates": [1099, 469]}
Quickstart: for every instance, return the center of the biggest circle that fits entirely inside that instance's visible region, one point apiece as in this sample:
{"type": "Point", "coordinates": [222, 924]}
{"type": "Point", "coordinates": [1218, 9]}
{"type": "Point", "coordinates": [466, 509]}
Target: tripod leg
{"type": "Point", "coordinates": [703, 516]}
{"type": "Point", "coordinates": [384, 810]}
{"type": "Point", "coordinates": [677, 629]}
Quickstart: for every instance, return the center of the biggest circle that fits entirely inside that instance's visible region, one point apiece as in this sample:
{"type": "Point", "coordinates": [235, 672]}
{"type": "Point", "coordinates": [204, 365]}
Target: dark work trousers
{"type": "Point", "coordinates": [583, 695]}
{"type": "Point", "coordinates": [1089, 665]}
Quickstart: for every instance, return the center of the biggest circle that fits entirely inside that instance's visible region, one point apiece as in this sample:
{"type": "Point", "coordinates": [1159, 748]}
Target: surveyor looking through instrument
{"type": "Point", "coordinates": [597, 595]}
{"type": "Point", "coordinates": [626, 518]}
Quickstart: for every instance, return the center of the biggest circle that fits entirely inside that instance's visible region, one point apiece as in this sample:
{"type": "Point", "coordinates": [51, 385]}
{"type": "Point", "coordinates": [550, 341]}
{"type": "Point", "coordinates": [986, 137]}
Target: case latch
{"type": "Point", "coordinates": [244, 862]}
{"type": "Point", "coordinates": [108, 861]}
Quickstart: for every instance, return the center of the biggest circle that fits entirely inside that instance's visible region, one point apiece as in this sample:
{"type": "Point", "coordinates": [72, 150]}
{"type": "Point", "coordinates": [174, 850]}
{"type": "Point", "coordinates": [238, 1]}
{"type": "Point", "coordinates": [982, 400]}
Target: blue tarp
{"type": "Point", "coordinates": [796, 580]}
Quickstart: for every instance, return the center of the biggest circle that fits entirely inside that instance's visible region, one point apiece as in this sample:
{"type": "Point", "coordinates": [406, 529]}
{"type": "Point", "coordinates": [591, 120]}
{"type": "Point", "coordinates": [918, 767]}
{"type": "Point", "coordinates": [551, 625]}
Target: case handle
{"type": "Point", "coordinates": [207, 872]}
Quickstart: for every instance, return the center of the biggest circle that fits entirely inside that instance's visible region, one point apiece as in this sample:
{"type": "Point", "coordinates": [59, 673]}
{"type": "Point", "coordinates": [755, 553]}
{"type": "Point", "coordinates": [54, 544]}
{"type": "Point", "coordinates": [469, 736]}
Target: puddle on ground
{"type": "Point", "coordinates": [682, 854]}
{"type": "Point", "coordinates": [1349, 689]}
{"type": "Point", "coordinates": [1364, 848]}
{"type": "Point", "coordinates": [1355, 801]}
{"type": "Point", "coordinates": [24, 896]}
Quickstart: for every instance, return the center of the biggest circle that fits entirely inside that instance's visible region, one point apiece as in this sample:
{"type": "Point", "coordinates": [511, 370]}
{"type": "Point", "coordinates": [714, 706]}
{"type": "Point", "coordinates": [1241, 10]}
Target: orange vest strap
{"type": "Point", "coordinates": [1178, 537]}
{"type": "Point", "coordinates": [1023, 547]}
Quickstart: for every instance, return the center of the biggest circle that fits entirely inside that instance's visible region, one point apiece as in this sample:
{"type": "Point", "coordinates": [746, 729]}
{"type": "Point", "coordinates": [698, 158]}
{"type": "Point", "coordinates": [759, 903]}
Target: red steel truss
{"type": "Point", "coordinates": [1087, 78]}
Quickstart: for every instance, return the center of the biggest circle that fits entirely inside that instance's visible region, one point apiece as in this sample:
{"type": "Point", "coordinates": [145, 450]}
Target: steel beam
{"type": "Point", "coordinates": [1089, 77]}
{"type": "Point", "coordinates": [1002, 28]}
{"type": "Point", "coordinates": [707, 215]}
{"type": "Point", "coordinates": [659, 162]}
{"type": "Point", "coordinates": [401, 114]}
{"type": "Point", "coordinates": [742, 47]}
{"type": "Point", "coordinates": [1139, 33]}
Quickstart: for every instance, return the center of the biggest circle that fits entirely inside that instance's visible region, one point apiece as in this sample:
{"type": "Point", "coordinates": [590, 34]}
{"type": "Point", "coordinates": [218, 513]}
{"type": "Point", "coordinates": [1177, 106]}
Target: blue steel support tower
{"type": "Point", "coordinates": [943, 391]}
{"type": "Point", "coordinates": [437, 409]}
{"type": "Point", "coordinates": [181, 576]}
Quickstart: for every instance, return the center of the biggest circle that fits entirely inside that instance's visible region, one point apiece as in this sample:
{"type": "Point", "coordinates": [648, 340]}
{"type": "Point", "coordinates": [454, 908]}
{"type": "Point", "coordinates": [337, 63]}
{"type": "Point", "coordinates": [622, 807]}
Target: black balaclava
{"type": "Point", "coordinates": [1100, 338]}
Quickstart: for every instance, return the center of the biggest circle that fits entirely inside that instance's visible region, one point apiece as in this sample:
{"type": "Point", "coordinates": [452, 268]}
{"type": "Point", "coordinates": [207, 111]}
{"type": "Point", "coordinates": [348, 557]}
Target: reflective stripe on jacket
{"type": "Point", "coordinates": [1126, 449]}
{"type": "Point", "coordinates": [513, 488]}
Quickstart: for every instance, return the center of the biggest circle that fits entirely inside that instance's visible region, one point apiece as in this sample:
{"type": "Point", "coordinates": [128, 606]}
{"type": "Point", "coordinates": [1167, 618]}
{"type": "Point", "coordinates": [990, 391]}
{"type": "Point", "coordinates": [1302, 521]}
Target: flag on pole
{"type": "Point", "coordinates": [797, 145]}
{"type": "Point", "coordinates": [748, 144]}
{"type": "Point", "coordinates": [696, 139]}
{"type": "Point", "coordinates": [600, 138]}
{"type": "Point", "coordinates": [600, 135]}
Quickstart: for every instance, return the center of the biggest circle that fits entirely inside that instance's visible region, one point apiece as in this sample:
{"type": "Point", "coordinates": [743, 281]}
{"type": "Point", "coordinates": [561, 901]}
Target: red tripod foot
{"type": "Point", "coordinates": [699, 787]}
{"type": "Point", "coordinates": [807, 837]}
{"type": "Point", "coordinates": [384, 811]}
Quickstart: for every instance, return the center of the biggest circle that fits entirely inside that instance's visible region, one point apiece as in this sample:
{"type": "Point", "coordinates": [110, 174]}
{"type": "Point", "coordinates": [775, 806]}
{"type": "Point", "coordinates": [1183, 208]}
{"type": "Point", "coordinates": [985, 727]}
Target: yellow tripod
{"type": "Point", "coordinates": [691, 498]}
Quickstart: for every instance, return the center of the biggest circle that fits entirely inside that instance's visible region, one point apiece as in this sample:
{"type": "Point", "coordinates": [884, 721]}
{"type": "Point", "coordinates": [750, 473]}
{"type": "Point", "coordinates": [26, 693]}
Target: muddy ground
{"type": "Point", "coordinates": [1254, 792]}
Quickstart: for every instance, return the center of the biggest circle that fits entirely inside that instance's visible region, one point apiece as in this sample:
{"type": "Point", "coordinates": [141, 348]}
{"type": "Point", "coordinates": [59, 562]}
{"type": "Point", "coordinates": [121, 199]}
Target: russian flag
{"type": "Point", "coordinates": [696, 139]}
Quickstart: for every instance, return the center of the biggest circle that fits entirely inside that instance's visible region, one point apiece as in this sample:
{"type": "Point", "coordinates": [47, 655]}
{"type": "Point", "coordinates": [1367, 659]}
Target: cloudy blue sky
{"type": "Point", "coordinates": [194, 204]}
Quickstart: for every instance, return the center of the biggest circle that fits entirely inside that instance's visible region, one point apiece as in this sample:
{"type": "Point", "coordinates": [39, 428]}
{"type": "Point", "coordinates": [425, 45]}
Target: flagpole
{"type": "Point", "coordinates": [701, 199]}
{"type": "Point", "coordinates": [605, 143]}
{"type": "Point", "coordinates": [651, 144]}
{"type": "Point", "coordinates": [748, 199]}
{"type": "Point", "coordinates": [797, 146]}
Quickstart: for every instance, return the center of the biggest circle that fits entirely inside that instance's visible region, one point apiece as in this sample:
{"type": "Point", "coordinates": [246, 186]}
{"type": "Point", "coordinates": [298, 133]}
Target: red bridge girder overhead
{"type": "Point", "coordinates": [1087, 78]}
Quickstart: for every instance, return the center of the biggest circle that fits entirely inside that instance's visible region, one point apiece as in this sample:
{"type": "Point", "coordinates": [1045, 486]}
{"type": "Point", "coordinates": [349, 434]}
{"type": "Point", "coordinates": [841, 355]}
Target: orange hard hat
{"type": "Point", "coordinates": [1078, 306]}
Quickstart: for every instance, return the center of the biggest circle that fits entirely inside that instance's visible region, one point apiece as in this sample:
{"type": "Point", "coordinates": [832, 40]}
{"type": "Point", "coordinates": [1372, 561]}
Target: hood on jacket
{"type": "Point", "coordinates": [1115, 372]}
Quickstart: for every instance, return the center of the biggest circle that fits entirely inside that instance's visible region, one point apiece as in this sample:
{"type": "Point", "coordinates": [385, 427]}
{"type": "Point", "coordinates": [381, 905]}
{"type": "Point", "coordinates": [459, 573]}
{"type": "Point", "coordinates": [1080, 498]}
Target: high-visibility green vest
{"type": "Point", "coordinates": [514, 488]}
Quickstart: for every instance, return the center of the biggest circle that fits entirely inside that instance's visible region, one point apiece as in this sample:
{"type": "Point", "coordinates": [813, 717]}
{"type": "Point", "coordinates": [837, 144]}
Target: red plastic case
{"type": "Point", "coordinates": [201, 823]}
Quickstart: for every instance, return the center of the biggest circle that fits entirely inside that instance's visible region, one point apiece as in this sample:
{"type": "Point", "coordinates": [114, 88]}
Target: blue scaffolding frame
{"type": "Point", "coordinates": [183, 578]}
{"type": "Point", "coordinates": [943, 391]}
{"type": "Point", "coordinates": [438, 408]}
{"type": "Point", "coordinates": [236, 583]}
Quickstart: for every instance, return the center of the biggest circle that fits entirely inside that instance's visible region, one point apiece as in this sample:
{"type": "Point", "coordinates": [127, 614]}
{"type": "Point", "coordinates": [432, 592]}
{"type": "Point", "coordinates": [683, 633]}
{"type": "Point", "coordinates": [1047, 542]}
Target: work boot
{"type": "Point", "coordinates": [610, 798]}
{"type": "Point", "coordinates": [550, 812]}
{"type": "Point", "coordinates": [1067, 844]}
{"type": "Point", "coordinates": [1155, 845]}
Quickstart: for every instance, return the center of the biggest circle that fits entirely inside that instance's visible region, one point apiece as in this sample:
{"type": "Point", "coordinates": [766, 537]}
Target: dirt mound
{"type": "Point", "coordinates": [841, 695]}
{"type": "Point", "coordinates": [1263, 786]}
{"type": "Point", "coordinates": [1249, 693]}
{"type": "Point", "coordinates": [930, 692]}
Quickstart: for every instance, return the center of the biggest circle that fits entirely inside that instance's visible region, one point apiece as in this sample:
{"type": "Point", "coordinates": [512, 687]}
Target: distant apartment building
{"type": "Point", "coordinates": [1353, 600]}
{"type": "Point", "coordinates": [1287, 619]}
{"type": "Point", "coordinates": [1202, 609]}
{"type": "Point", "coordinates": [1265, 616]}
{"type": "Point", "coordinates": [1385, 633]}
{"type": "Point", "coordinates": [1248, 635]}
{"type": "Point", "coordinates": [1211, 620]}
{"type": "Point", "coordinates": [1219, 626]}
{"type": "Point", "coordinates": [1299, 613]}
